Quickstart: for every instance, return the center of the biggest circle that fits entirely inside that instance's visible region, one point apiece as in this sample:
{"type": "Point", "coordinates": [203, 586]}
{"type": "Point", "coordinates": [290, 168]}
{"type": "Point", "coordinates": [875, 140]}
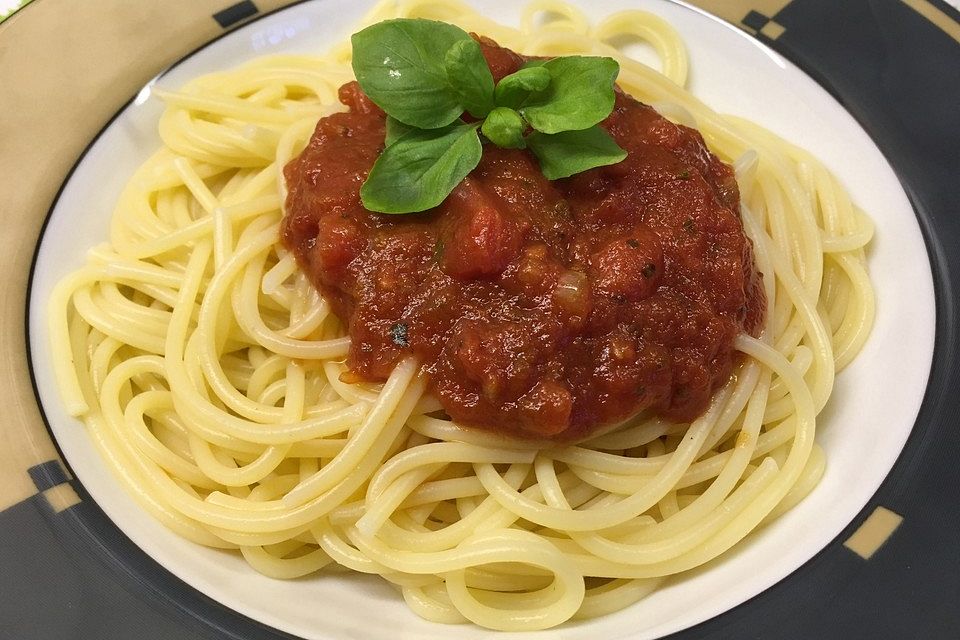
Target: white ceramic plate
{"type": "Point", "coordinates": [862, 429]}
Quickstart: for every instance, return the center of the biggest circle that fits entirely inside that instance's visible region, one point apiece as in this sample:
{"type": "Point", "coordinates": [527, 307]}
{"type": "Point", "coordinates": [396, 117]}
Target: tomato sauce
{"type": "Point", "coordinates": [539, 309]}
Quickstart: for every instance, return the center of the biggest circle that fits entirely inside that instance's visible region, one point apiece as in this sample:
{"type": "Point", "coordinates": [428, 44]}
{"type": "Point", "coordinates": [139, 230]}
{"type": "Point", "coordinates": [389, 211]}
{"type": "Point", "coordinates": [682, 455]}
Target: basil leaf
{"type": "Point", "coordinates": [470, 77]}
{"type": "Point", "coordinates": [395, 129]}
{"type": "Point", "coordinates": [563, 154]}
{"type": "Point", "coordinates": [515, 88]}
{"type": "Point", "coordinates": [421, 168]}
{"type": "Point", "coordinates": [504, 127]}
{"type": "Point", "coordinates": [579, 96]}
{"type": "Point", "coordinates": [399, 65]}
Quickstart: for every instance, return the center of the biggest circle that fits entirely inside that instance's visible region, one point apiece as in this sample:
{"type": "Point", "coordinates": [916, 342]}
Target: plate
{"type": "Point", "coordinates": [722, 58]}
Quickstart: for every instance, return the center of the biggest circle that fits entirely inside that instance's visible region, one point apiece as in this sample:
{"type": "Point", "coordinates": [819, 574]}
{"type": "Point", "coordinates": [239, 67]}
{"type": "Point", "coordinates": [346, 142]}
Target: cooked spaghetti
{"type": "Point", "coordinates": [208, 370]}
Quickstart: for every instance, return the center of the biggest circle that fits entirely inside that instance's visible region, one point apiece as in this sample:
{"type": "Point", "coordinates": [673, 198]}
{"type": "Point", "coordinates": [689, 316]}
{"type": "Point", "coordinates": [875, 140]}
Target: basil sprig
{"type": "Point", "coordinates": [422, 168]}
{"type": "Point", "coordinates": [425, 75]}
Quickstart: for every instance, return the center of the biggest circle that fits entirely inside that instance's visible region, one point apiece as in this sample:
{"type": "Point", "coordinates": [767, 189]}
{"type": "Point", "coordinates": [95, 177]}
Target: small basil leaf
{"type": "Point", "coordinates": [470, 77]}
{"type": "Point", "coordinates": [399, 65]}
{"type": "Point", "coordinates": [421, 168]}
{"type": "Point", "coordinates": [563, 154]}
{"type": "Point", "coordinates": [515, 88]}
{"type": "Point", "coordinates": [579, 96]}
{"type": "Point", "coordinates": [395, 129]}
{"type": "Point", "coordinates": [504, 127]}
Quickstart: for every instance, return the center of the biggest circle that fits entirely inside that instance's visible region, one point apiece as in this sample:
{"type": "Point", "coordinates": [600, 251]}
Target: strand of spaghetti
{"type": "Point", "coordinates": [123, 461]}
{"type": "Point", "coordinates": [483, 548]}
{"type": "Point", "coordinates": [184, 394]}
{"type": "Point", "coordinates": [245, 298]}
{"type": "Point", "coordinates": [230, 106]}
{"type": "Point", "coordinates": [264, 374]}
{"type": "Point", "coordinates": [700, 471]}
{"type": "Point", "coordinates": [283, 568]}
{"type": "Point", "coordinates": [208, 321]}
{"type": "Point", "coordinates": [232, 475]}
{"type": "Point", "coordinates": [276, 516]}
{"type": "Point", "coordinates": [407, 470]}
{"type": "Point", "coordinates": [247, 539]}
{"type": "Point", "coordinates": [336, 546]}
{"type": "Point", "coordinates": [183, 236]}
{"type": "Point", "coordinates": [377, 510]}
{"type": "Point", "coordinates": [367, 439]}
{"type": "Point", "coordinates": [613, 596]}
{"type": "Point", "coordinates": [432, 604]}
{"type": "Point", "coordinates": [630, 507]}
{"type": "Point", "coordinates": [693, 524]}
{"type": "Point", "coordinates": [135, 418]}
{"type": "Point", "coordinates": [148, 338]}
{"type": "Point", "coordinates": [437, 491]}
{"type": "Point", "coordinates": [436, 452]}
{"type": "Point", "coordinates": [107, 296]}
{"type": "Point", "coordinates": [653, 30]}
{"type": "Point", "coordinates": [560, 15]}
{"type": "Point", "coordinates": [58, 322]}
{"type": "Point", "coordinates": [488, 515]}
{"type": "Point", "coordinates": [818, 340]}
{"type": "Point", "coordinates": [855, 329]}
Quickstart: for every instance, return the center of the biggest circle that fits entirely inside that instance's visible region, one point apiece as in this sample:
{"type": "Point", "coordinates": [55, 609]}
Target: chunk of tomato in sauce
{"type": "Point", "coordinates": [481, 241]}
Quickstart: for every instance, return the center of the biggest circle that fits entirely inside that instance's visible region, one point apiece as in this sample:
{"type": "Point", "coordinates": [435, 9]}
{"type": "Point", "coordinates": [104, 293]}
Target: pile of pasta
{"type": "Point", "coordinates": [207, 368]}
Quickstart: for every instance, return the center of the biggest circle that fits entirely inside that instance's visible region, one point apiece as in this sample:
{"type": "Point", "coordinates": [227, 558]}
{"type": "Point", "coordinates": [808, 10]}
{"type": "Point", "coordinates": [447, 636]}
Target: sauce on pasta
{"type": "Point", "coordinates": [539, 309]}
